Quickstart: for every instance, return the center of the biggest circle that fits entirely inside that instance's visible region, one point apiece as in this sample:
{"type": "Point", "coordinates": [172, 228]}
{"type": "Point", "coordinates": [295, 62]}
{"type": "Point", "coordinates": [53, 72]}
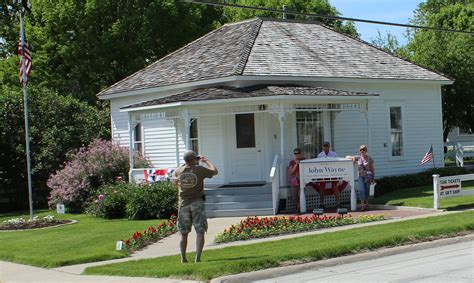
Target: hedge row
{"type": "Point", "coordinates": [393, 183]}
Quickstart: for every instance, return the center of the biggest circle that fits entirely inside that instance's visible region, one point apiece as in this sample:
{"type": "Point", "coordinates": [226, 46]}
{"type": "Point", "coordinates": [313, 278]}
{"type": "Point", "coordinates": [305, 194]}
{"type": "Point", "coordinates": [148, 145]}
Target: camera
{"type": "Point", "coordinates": [198, 157]}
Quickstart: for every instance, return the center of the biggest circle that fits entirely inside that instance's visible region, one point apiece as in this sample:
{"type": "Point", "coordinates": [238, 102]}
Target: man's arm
{"type": "Point", "coordinates": [210, 166]}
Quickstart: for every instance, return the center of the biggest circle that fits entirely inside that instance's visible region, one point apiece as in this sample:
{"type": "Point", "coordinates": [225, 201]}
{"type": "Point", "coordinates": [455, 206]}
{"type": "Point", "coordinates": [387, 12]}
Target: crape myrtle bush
{"type": "Point", "coordinates": [393, 183]}
{"type": "Point", "coordinates": [135, 201]}
{"type": "Point", "coordinates": [100, 163]}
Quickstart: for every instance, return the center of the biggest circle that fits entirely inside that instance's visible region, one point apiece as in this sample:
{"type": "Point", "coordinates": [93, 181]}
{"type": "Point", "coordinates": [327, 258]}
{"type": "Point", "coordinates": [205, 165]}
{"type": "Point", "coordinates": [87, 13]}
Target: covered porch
{"type": "Point", "coordinates": [249, 133]}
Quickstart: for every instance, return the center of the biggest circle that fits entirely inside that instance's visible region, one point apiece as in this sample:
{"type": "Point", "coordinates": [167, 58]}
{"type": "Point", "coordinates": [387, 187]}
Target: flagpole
{"type": "Point", "coordinates": [25, 105]}
{"type": "Point", "coordinates": [434, 165]}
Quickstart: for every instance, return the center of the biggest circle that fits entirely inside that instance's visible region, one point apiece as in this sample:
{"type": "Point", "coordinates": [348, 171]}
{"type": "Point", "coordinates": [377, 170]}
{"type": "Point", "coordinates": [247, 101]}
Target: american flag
{"type": "Point", "coordinates": [25, 61]}
{"type": "Point", "coordinates": [428, 156]}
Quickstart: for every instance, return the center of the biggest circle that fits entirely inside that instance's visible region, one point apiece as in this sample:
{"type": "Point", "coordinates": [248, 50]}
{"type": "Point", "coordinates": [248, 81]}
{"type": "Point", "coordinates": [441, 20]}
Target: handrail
{"type": "Point", "coordinates": [275, 180]}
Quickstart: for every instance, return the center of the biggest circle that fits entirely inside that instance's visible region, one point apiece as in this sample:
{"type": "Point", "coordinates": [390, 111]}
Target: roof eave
{"type": "Point", "coordinates": [247, 99]}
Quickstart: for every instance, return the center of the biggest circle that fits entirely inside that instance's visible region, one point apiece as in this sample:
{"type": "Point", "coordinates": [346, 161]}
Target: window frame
{"type": "Point", "coordinates": [192, 139]}
{"type": "Point", "coordinates": [141, 143]}
{"type": "Point", "coordinates": [401, 105]}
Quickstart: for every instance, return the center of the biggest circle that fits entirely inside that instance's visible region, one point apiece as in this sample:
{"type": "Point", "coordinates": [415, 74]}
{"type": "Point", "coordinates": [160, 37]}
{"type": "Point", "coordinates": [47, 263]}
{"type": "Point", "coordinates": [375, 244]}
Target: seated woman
{"type": "Point", "coordinates": [294, 173]}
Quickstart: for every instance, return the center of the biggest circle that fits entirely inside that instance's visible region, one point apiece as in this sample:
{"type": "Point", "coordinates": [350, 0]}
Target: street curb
{"type": "Point", "coordinates": [293, 269]}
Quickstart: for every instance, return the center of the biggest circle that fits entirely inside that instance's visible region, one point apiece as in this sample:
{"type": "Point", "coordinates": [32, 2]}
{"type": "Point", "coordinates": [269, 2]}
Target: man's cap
{"type": "Point", "coordinates": [189, 156]}
{"type": "Point", "coordinates": [326, 143]}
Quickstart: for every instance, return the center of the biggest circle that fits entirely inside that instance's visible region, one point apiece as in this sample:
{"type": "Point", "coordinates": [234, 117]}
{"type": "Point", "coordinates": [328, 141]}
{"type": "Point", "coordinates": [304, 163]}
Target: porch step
{"type": "Point", "coordinates": [239, 212]}
{"type": "Point", "coordinates": [238, 205]}
{"type": "Point", "coordinates": [237, 198]}
{"type": "Point", "coordinates": [238, 191]}
{"type": "Point", "coordinates": [239, 201]}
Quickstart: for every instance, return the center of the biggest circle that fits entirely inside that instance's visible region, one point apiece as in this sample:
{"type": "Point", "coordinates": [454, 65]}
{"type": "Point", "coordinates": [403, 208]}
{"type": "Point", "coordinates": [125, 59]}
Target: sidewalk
{"type": "Point", "coordinates": [11, 272]}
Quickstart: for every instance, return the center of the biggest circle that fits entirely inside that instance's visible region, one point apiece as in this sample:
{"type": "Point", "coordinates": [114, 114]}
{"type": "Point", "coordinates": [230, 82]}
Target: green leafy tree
{"type": "Point", "coordinates": [449, 53]}
{"type": "Point", "coordinates": [322, 7]}
{"type": "Point", "coordinates": [58, 124]}
{"type": "Point", "coordinates": [81, 47]}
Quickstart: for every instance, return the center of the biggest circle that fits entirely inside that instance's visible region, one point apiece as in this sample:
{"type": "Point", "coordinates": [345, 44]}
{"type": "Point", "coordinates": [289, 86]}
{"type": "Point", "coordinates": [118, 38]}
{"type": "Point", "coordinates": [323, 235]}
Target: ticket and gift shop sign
{"type": "Point", "coordinates": [326, 169]}
{"type": "Point", "coordinates": [449, 187]}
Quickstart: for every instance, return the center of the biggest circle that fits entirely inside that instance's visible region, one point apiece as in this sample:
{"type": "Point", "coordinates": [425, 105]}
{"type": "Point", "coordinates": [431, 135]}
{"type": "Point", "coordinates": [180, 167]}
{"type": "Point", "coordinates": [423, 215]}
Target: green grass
{"type": "Point", "coordinates": [238, 259]}
{"type": "Point", "coordinates": [423, 197]}
{"type": "Point", "coordinates": [91, 239]}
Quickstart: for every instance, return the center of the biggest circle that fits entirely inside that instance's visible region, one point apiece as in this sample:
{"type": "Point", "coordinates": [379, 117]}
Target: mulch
{"type": "Point", "coordinates": [32, 225]}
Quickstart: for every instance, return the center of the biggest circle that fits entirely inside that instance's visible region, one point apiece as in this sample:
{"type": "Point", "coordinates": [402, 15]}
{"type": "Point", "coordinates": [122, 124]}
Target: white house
{"type": "Point", "coordinates": [249, 92]}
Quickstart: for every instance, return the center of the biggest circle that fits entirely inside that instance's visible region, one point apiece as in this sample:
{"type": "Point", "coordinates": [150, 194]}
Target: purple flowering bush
{"type": "Point", "coordinates": [100, 163]}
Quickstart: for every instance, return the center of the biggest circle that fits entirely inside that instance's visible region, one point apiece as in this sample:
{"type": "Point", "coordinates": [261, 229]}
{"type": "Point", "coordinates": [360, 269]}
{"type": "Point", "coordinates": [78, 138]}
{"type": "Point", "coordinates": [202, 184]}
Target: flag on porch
{"type": "Point", "coordinates": [25, 60]}
{"type": "Point", "coordinates": [428, 156]}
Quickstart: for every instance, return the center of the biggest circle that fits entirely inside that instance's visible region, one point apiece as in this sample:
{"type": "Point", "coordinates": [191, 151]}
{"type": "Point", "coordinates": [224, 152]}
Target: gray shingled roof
{"type": "Point", "coordinates": [268, 47]}
{"type": "Point", "coordinates": [249, 92]}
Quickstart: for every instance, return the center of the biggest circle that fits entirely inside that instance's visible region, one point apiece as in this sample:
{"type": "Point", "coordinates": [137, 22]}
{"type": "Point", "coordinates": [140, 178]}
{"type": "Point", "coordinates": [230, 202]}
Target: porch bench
{"type": "Point", "coordinates": [313, 200]}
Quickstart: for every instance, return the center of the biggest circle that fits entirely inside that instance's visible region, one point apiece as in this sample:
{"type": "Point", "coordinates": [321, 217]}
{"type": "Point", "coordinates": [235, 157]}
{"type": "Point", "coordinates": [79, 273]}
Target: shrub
{"type": "Point", "coordinates": [109, 201]}
{"type": "Point", "coordinates": [148, 201]}
{"type": "Point", "coordinates": [393, 183]}
{"type": "Point", "coordinates": [58, 124]}
{"type": "Point", "coordinates": [98, 164]}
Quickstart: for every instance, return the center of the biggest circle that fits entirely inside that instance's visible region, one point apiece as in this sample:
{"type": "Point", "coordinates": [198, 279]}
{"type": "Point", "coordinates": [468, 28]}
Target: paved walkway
{"type": "Point", "coordinates": [10, 272]}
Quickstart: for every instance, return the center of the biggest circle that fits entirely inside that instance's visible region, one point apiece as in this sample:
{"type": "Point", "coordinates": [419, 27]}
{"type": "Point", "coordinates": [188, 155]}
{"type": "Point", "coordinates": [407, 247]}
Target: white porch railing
{"type": "Point", "coordinates": [275, 180]}
{"type": "Point", "coordinates": [461, 152]}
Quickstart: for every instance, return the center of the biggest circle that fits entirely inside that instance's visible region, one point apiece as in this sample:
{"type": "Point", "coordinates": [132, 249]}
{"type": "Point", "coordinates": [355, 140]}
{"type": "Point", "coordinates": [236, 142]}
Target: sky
{"type": "Point", "coordinates": [397, 11]}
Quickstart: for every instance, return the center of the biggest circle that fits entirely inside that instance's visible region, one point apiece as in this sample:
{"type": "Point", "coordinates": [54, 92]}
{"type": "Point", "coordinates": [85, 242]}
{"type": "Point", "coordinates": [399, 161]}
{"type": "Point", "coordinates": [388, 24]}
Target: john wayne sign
{"type": "Point", "coordinates": [326, 169]}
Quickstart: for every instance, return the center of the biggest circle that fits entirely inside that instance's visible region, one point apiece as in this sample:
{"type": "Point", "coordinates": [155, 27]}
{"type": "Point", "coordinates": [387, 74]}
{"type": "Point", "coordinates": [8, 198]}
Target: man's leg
{"type": "Point", "coordinates": [296, 192]}
{"type": "Point", "coordinates": [200, 225]}
{"type": "Point", "coordinates": [183, 244]}
{"type": "Point", "coordinates": [184, 227]}
{"type": "Point", "coordinates": [199, 245]}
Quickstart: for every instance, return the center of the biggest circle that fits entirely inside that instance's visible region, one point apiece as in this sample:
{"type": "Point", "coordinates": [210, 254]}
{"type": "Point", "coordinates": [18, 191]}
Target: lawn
{"type": "Point", "coordinates": [238, 259]}
{"type": "Point", "coordinates": [423, 197]}
{"type": "Point", "coordinates": [91, 239]}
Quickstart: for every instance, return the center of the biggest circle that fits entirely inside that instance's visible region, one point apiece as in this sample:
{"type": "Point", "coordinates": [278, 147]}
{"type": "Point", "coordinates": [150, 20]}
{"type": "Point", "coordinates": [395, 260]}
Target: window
{"type": "Point", "coordinates": [137, 145]}
{"type": "Point", "coordinates": [193, 135]}
{"type": "Point", "coordinates": [245, 130]}
{"type": "Point", "coordinates": [309, 132]}
{"type": "Point", "coordinates": [396, 130]}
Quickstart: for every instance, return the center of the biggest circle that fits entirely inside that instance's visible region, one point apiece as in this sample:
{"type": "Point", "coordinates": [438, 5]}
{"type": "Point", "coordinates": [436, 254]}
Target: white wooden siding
{"type": "Point", "coordinates": [211, 144]}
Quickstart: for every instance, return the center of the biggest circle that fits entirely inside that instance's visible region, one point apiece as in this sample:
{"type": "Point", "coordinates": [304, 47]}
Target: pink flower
{"type": "Point", "coordinates": [101, 197]}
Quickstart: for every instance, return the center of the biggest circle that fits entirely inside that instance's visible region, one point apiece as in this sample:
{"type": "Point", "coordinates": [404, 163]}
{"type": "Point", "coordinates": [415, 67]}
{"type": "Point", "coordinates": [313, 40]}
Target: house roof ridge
{"type": "Point", "coordinates": [244, 56]}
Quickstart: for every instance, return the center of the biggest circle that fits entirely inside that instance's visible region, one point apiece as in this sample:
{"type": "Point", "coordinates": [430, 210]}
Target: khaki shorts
{"type": "Point", "coordinates": [194, 214]}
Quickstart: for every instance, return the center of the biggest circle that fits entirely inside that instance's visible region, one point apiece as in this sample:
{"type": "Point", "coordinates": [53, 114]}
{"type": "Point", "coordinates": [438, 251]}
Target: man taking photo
{"type": "Point", "coordinates": [190, 180]}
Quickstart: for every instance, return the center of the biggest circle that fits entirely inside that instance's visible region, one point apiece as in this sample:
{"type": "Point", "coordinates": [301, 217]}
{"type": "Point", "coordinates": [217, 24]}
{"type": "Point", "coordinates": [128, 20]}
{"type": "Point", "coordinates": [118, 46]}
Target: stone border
{"type": "Point", "coordinates": [393, 207]}
{"type": "Point", "coordinates": [21, 230]}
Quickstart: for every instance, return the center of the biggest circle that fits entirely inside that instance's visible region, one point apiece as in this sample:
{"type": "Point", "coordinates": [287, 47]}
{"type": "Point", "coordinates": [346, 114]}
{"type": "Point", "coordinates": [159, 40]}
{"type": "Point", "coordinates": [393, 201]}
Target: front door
{"type": "Point", "coordinates": [245, 163]}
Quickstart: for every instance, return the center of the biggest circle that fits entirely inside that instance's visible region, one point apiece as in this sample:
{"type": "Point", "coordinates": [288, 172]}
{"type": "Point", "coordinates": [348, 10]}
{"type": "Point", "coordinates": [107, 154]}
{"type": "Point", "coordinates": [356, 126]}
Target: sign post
{"type": "Point", "coordinates": [435, 191]}
{"type": "Point", "coordinates": [330, 168]}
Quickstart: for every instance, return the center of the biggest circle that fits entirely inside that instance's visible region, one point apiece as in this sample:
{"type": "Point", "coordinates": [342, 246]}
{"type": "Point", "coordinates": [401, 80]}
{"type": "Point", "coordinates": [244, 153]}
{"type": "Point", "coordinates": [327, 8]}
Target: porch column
{"type": "Point", "coordinates": [131, 132]}
{"type": "Point", "coordinates": [186, 128]}
{"type": "Point", "coordinates": [175, 121]}
{"type": "Point", "coordinates": [281, 119]}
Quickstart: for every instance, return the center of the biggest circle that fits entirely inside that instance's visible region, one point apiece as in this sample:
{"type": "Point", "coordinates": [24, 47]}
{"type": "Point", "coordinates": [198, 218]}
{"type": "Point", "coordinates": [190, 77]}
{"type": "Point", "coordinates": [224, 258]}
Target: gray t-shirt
{"type": "Point", "coordinates": [191, 182]}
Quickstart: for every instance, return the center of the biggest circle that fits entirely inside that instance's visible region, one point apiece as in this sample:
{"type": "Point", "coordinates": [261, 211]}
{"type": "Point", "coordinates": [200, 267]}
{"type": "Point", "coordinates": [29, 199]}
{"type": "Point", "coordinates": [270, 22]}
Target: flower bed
{"type": "Point", "coordinates": [36, 222]}
{"type": "Point", "coordinates": [255, 227]}
{"type": "Point", "coordinates": [151, 235]}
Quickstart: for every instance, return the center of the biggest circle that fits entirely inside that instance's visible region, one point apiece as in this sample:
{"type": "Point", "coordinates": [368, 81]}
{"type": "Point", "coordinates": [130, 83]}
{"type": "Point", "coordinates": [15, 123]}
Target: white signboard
{"type": "Point", "coordinates": [322, 169]}
{"type": "Point", "coordinates": [449, 187]}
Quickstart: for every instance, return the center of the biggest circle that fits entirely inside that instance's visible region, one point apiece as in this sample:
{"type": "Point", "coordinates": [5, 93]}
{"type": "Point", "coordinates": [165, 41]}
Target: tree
{"type": "Point", "coordinates": [388, 42]}
{"type": "Point", "coordinates": [81, 47]}
{"type": "Point", "coordinates": [449, 53]}
{"type": "Point", "coordinates": [58, 125]}
{"type": "Point", "coordinates": [304, 6]}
